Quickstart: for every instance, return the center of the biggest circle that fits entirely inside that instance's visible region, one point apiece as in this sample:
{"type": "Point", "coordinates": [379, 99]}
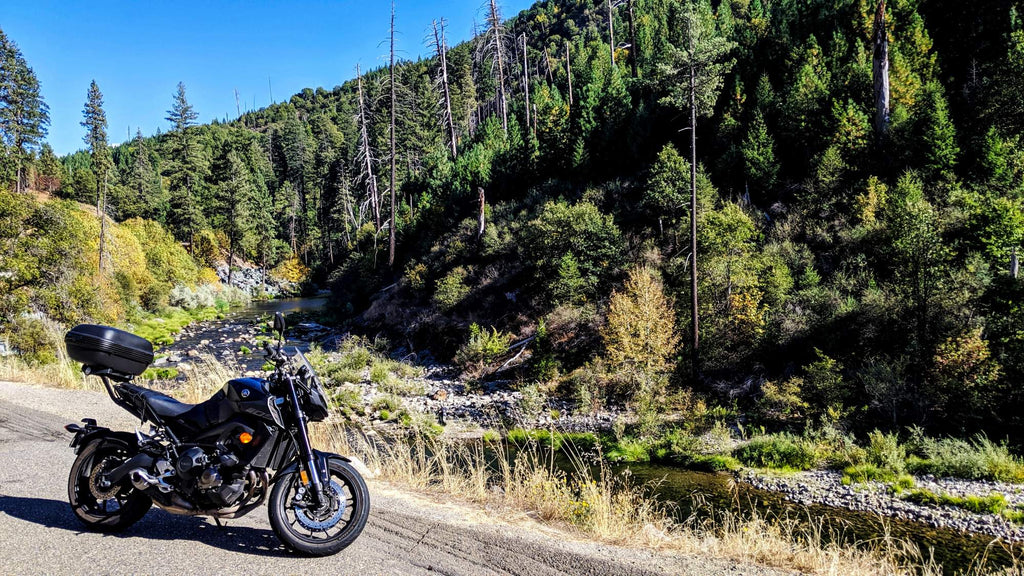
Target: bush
{"type": "Point", "coordinates": [885, 451]}
{"type": "Point", "coordinates": [34, 339]}
{"type": "Point", "coordinates": [866, 473]}
{"type": "Point", "coordinates": [483, 346]}
{"type": "Point", "coordinates": [780, 451]}
{"type": "Point", "coordinates": [451, 289]}
{"type": "Point", "coordinates": [979, 459]}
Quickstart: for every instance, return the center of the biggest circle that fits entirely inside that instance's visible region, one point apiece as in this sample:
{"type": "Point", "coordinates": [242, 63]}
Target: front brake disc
{"type": "Point", "coordinates": [327, 515]}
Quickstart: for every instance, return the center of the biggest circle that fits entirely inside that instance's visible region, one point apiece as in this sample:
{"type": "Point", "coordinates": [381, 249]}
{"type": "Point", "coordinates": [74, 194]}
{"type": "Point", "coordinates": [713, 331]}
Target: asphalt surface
{"type": "Point", "coordinates": [40, 535]}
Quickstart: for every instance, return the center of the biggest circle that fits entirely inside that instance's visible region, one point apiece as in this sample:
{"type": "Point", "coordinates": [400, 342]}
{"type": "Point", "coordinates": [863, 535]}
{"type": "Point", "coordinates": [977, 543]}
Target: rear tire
{"type": "Point", "coordinates": [104, 510]}
{"type": "Point", "coordinates": [330, 529]}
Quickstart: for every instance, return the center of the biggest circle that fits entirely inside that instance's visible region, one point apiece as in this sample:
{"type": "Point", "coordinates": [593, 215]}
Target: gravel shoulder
{"type": "Point", "coordinates": [406, 534]}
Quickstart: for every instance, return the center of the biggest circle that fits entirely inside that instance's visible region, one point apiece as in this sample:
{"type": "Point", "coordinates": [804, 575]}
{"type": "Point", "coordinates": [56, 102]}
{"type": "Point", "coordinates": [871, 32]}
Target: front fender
{"type": "Point", "coordinates": [322, 460]}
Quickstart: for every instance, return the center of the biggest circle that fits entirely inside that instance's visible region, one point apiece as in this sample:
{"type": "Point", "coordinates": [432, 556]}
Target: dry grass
{"type": "Point", "coordinates": [64, 373]}
{"type": "Point", "coordinates": [614, 510]}
{"type": "Point", "coordinates": [203, 379]}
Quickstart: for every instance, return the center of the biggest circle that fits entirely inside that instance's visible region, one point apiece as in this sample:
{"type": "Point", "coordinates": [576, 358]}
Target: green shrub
{"type": "Point", "coordinates": [780, 451]}
{"type": "Point", "coordinates": [245, 350]}
{"type": "Point", "coordinates": [451, 290]}
{"type": "Point", "coordinates": [715, 463]}
{"type": "Point", "coordinates": [379, 372]}
{"type": "Point", "coordinates": [866, 473]}
{"type": "Point", "coordinates": [1015, 515]}
{"type": "Point", "coordinates": [483, 346]}
{"type": "Point", "coordinates": [160, 374]}
{"type": "Point", "coordinates": [401, 387]}
{"type": "Point", "coordinates": [349, 399]}
{"type": "Point", "coordinates": [885, 451]}
{"type": "Point", "coordinates": [978, 459]}
{"type": "Point", "coordinates": [630, 450]}
{"type": "Point", "coordinates": [388, 402]}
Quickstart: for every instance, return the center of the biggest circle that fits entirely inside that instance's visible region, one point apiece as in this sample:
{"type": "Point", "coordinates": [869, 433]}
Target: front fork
{"type": "Point", "coordinates": [306, 451]}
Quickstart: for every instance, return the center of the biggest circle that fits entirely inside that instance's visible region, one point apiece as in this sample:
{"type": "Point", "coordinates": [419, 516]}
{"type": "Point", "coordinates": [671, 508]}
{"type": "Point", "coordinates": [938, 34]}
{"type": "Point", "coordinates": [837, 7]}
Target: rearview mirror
{"type": "Point", "coordinates": [279, 325]}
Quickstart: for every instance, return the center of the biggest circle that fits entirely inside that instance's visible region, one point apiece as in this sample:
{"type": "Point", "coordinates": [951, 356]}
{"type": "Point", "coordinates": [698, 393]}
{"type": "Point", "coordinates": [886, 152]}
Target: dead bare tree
{"type": "Point", "coordinates": [441, 47]}
{"type": "Point", "coordinates": [881, 72]}
{"type": "Point", "coordinates": [633, 48]}
{"type": "Point", "coordinates": [392, 223]}
{"type": "Point", "coordinates": [611, 31]}
{"type": "Point", "coordinates": [568, 71]}
{"type": "Point", "coordinates": [366, 153]}
{"type": "Point", "coordinates": [494, 47]}
{"type": "Point", "coordinates": [526, 81]}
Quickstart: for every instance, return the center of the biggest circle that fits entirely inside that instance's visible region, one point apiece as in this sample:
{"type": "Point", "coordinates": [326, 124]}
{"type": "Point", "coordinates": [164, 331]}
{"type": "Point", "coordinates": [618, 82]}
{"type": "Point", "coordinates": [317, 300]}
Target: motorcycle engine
{"type": "Point", "coordinates": [204, 475]}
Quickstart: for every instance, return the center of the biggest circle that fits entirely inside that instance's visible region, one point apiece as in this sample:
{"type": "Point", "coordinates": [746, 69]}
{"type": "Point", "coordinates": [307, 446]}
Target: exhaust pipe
{"type": "Point", "coordinates": [143, 480]}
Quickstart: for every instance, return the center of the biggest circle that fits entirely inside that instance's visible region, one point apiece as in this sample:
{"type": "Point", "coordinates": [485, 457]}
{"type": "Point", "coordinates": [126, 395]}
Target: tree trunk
{"type": "Point", "coordinates": [1014, 264]}
{"type": "Point", "coordinates": [481, 214]}
{"type": "Point", "coordinates": [526, 83]}
{"type": "Point", "coordinates": [633, 48]}
{"type": "Point", "coordinates": [371, 181]}
{"type": "Point", "coordinates": [101, 211]}
{"type": "Point", "coordinates": [881, 73]}
{"type": "Point", "coordinates": [611, 31]}
{"type": "Point", "coordinates": [231, 254]}
{"type": "Point", "coordinates": [442, 55]}
{"type": "Point", "coordinates": [695, 337]}
{"type": "Point", "coordinates": [568, 72]}
{"type": "Point", "coordinates": [495, 20]}
{"type": "Point", "coordinates": [393, 224]}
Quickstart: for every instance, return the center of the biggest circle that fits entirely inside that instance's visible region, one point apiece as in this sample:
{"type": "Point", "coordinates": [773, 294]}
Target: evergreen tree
{"type": "Point", "coordinates": [697, 71]}
{"type": "Point", "coordinates": [95, 123]}
{"type": "Point", "coordinates": [758, 151]}
{"type": "Point", "coordinates": [185, 170]}
{"type": "Point", "coordinates": [235, 200]}
{"type": "Point", "coordinates": [24, 116]}
{"type": "Point", "coordinates": [142, 181]}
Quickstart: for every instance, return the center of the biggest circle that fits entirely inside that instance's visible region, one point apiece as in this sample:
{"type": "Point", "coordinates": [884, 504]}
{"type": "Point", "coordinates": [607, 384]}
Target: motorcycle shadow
{"type": "Point", "coordinates": [155, 525]}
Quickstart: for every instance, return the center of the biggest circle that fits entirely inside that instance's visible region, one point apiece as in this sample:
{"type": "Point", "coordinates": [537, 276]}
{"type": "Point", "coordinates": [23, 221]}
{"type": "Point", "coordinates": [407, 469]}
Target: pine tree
{"type": "Point", "coordinates": [937, 133]}
{"type": "Point", "coordinates": [758, 152]}
{"type": "Point", "coordinates": [186, 169]}
{"type": "Point", "coordinates": [142, 179]}
{"type": "Point", "coordinates": [51, 172]}
{"type": "Point", "coordinates": [24, 116]}
{"type": "Point", "coordinates": [235, 201]}
{"type": "Point", "coordinates": [95, 123]}
{"type": "Point", "coordinates": [697, 73]}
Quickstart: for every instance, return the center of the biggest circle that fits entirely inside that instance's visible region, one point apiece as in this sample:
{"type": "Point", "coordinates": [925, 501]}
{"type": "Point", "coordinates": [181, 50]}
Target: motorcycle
{"type": "Point", "coordinates": [221, 458]}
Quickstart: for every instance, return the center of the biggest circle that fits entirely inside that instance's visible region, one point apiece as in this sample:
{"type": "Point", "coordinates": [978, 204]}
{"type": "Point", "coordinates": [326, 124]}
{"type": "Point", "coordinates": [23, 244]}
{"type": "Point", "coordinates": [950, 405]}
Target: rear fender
{"type": "Point", "coordinates": [90, 432]}
{"type": "Point", "coordinates": [322, 461]}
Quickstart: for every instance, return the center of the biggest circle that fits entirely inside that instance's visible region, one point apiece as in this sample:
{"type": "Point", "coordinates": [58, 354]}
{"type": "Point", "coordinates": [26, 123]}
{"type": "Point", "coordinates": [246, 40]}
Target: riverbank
{"type": "Point", "coordinates": [826, 487]}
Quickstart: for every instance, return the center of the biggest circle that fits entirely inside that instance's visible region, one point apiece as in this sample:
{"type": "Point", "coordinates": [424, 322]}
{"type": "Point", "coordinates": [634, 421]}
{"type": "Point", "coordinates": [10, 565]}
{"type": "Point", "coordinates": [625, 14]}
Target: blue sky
{"type": "Point", "coordinates": [138, 52]}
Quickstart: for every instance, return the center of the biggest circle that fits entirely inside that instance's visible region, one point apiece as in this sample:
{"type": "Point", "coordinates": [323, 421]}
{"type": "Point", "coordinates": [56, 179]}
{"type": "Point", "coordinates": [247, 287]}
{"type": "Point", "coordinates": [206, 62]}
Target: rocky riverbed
{"type": "Point", "coordinates": [825, 487]}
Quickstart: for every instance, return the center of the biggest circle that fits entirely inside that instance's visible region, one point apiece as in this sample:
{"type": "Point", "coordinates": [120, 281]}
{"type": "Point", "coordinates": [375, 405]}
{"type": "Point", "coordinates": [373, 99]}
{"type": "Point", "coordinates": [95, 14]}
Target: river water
{"type": "Point", "coordinates": [690, 494]}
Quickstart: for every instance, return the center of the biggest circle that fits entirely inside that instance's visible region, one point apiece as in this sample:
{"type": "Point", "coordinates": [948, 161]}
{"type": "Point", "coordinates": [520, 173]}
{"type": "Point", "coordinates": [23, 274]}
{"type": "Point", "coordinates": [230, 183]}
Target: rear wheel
{"type": "Point", "coordinates": [104, 508]}
{"type": "Point", "coordinates": [326, 529]}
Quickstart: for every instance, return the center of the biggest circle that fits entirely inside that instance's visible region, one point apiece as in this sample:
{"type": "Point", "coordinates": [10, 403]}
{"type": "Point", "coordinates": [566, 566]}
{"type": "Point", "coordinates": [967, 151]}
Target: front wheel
{"type": "Point", "coordinates": [99, 507]}
{"type": "Point", "coordinates": [323, 530]}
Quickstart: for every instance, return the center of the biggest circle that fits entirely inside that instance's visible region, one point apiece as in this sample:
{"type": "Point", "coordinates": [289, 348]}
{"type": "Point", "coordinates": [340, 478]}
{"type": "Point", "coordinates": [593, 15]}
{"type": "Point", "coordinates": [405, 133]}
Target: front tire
{"type": "Point", "coordinates": [332, 527]}
{"type": "Point", "coordinates": [104, 509]}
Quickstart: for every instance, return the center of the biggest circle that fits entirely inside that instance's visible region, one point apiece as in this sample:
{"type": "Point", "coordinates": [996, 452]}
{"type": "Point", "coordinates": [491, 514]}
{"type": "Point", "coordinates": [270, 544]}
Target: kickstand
{"type": "Point", "coordinates": [217, 520]}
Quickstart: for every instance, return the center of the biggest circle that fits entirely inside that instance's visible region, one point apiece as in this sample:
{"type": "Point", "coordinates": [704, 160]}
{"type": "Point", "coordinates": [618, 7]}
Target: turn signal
{"type": "Point", "coordinates": [245, 437]}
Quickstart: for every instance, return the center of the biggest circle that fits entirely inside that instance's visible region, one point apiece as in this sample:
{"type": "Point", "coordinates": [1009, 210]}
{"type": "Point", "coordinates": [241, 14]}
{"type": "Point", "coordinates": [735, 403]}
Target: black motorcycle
{"type": "Point", "coordinates": [221, 458]}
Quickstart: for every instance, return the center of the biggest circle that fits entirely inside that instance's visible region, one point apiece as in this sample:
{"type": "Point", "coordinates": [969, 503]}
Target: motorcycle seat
{"type": "Point", "coordinates": [161, 404]}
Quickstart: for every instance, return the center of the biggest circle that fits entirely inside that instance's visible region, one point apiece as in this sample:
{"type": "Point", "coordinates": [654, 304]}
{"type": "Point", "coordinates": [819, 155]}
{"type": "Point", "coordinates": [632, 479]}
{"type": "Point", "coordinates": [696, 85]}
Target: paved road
{"type": "Point", "coordinates": [40, 535]}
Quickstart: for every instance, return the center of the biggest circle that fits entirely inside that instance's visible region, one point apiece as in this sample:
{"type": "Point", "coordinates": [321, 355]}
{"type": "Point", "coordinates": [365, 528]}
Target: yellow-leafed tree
{"type": "Point", "coordinates": [641, 324]}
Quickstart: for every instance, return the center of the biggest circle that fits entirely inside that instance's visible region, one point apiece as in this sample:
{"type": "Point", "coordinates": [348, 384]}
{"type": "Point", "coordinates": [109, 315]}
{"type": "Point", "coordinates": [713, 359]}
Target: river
{"type": "Point", "coordinates": [678, 487]}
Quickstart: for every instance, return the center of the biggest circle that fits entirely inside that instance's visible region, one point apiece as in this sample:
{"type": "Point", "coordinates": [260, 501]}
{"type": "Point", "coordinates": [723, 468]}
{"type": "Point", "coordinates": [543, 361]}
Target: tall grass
{"type": "Point", "coordinates": [61, 374]}
{"type": "Point", "coordinates": [978, 459]}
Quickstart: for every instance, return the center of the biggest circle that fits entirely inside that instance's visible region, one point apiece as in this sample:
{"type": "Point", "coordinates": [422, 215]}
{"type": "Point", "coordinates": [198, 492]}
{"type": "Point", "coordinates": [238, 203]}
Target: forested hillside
{"type": "Point", "coordinates": [859, 194]}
